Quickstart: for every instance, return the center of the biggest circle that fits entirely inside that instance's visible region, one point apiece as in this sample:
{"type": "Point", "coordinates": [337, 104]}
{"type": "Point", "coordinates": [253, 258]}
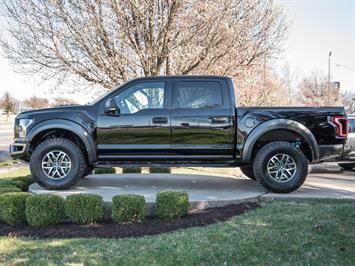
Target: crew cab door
{"type": "Point", "coordinates": [141, 128]}
{"type": "Point", "coordinates": [202, 120]}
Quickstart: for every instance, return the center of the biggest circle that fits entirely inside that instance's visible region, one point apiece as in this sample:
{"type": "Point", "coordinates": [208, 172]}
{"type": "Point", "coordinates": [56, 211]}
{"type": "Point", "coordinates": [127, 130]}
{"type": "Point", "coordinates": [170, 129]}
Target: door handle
{"type": "Point", "coordinates": [160, 120]}
{"type": "Point", "coordinates": [219, 120]}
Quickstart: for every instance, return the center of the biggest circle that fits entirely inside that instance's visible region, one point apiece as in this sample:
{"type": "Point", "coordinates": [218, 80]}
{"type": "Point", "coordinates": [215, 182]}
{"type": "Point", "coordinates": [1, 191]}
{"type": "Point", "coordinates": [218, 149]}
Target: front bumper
{"type": "Point", "coordinates": [19, 149]}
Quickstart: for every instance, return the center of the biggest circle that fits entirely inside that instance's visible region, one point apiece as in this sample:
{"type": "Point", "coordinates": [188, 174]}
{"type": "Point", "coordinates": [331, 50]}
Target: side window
{"type": "Point", "coordinates": [194, 94]}
{"type": "Point", "coordinates": [351, 125]}
{"type": "Point", "coordinates": [147, 95]}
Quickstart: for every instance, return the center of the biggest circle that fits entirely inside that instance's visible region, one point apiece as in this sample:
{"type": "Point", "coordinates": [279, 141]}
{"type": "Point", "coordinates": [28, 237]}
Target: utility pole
{"type": "Point", "coordinates": [328, 98]}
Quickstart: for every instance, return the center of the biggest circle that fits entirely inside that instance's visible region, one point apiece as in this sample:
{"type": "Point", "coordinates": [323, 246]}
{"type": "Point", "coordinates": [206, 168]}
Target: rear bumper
{"type": "Point", "coordinates": [19, 149]}
{"type": "Point", "coordinates": [332, 152]}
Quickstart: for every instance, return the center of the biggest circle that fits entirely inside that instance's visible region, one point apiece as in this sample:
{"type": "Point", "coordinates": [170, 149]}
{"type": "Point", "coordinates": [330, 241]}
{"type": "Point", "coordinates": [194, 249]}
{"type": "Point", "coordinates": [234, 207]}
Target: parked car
{"type": "Point", "coordinates": [349, 160]}
{"type": "Point", "coordinates": [178, 120]}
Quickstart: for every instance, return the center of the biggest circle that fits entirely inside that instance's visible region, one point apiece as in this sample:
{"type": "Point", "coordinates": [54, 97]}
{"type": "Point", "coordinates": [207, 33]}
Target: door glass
{"type": "Point", "coordinates": [197, 95]}
{"type": "Point", "coordinates": [148, 95]}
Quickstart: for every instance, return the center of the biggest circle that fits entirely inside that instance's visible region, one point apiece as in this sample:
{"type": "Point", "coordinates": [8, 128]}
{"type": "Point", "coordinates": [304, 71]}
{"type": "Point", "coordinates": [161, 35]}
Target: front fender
{"type": "Point", "coordinates": [275, 124]}
{"type": "Point", "coordinates": [75, 128]}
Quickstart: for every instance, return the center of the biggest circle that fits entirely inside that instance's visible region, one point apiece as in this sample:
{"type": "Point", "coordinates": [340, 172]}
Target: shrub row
{"type": "Point", "coordinates": [98, 171]}
{"type": "Point", "coordinates": [48, 209]}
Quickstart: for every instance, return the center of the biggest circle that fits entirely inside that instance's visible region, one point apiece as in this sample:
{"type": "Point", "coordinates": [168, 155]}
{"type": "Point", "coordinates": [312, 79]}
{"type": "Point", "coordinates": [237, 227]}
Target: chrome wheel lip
{"type": "Point", "coordinates": [281, 167]}
{"type": "Point", "coordinates": [56, 164]}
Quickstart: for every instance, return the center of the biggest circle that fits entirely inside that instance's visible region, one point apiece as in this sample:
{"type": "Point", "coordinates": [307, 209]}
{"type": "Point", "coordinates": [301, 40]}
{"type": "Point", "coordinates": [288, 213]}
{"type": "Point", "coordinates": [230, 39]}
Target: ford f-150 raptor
{"type": "Point", "coordinates": [178, 121]}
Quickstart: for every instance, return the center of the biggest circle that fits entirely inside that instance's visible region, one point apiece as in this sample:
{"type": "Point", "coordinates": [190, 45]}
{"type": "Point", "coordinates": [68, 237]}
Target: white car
{"type": "Point", "coordinates": [348, 164]}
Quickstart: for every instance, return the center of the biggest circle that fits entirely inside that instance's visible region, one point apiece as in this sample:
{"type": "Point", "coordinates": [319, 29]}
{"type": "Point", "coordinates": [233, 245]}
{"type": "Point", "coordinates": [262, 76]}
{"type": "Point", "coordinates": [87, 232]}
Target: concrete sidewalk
{"type": "Point", "coordinates": [204, 190]}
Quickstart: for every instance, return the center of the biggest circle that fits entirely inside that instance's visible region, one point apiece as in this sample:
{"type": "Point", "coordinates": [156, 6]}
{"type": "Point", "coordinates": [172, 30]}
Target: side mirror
{"type": "Point", "coordinates": [111, 107]}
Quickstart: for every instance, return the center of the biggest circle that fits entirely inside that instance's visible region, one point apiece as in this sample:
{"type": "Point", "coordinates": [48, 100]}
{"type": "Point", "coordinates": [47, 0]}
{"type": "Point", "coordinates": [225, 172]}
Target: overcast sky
{"type": "Point", "coordinates": [316, 27]}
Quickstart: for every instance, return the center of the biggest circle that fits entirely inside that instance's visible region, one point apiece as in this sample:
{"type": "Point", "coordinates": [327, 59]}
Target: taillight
{"type": "Point", "coordinates": [341, 122]}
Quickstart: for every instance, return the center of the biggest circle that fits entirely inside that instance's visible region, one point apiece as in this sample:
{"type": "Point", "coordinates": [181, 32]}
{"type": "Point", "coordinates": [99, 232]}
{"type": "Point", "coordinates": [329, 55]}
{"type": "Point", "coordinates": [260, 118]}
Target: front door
{"type": "Point", "coordinates": [202, 120]}
{"type": "Point", "coordinates": [141, 129]}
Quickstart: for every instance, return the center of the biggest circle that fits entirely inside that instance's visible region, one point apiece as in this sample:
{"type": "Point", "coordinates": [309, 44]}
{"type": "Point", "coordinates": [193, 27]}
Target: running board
{"type": "Point", "coordinates": [108, 164]}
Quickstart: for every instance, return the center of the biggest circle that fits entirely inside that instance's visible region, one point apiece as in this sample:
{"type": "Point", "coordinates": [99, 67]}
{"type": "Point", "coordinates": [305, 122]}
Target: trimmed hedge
{"type": "Point", "coordinates": [27, 179]}
{"type": "Point", "coordinates": [128, 170]}
{"type": "Point", "coordinates": [16, 183]}
{"type": "Point", "coordinates": [171, 204]}
{"type": "Point", "coordinates": [98, 171]}
{"type": "Point", "coordinates": [12, 207]}
{"type": "Point", "coordinates": [84, 208]}
{"type": "Point", "coordinates": [7, 189]}
{"type": "Point", "coordinates": [44, 209]}
{"type": "Point", "coordinates": [154, 170]}
{"type": "Point", "coordinates": [128, 208]}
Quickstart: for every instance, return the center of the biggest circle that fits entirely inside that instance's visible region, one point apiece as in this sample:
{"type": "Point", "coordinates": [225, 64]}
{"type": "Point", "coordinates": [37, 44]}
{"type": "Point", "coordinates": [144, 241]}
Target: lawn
{"type": "Point", "coordinates": [297, 232]}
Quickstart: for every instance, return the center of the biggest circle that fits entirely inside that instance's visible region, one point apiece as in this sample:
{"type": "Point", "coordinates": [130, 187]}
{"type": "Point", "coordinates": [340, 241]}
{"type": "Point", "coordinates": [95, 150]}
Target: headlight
{"type": "Point", "coordinates": [22, 127]}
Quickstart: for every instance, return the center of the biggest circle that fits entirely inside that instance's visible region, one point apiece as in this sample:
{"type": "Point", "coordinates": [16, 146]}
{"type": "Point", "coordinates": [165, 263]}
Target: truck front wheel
{"type": "Point", "coordinates": [57, 164]}
{"type": "Point", "coordinates": [280, 167]}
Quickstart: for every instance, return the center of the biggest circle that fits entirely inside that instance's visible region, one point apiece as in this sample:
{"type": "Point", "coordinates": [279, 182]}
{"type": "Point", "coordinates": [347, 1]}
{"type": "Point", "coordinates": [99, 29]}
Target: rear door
{"type": "Point", "coordinates": [201, 120]}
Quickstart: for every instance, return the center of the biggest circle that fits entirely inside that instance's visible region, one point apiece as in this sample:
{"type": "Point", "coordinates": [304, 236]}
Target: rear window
{"type": "Point", "coordinates": [193, 94]}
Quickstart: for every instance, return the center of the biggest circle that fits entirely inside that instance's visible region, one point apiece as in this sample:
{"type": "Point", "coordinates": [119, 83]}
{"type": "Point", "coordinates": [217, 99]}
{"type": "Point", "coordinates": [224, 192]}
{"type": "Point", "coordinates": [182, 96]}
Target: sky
{"type": "Point", "coordinates": [315, 28]}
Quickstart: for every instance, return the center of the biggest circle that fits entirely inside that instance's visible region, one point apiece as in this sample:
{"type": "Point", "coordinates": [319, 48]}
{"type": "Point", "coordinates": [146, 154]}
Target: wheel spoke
{"type": "Point", "coordinates": [56, 164]}
{"type": "Point", "coordinates": [281, 167]}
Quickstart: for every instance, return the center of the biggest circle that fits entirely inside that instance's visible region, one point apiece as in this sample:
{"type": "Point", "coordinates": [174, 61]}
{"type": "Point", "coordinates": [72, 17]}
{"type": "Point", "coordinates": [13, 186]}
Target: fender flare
{"type": "Point", "coordinates": [71, 126]}
{"type": "Point", "coordinates": [275, 124]}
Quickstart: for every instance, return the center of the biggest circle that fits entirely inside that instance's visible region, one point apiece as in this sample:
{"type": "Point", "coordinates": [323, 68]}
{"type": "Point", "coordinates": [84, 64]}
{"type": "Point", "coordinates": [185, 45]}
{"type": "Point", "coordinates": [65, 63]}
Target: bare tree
{"type": "Point", "coordinates": [315, 91]}
{"type": "Point", "coordinates": [109, 42]}
{"type": "Point", "coordinates": [8, 103]}
{"type": "Point", "coordinates": [290, 81]}
{"type": "Point", "coordinates": [259, 86]}
{"type": "Point", "coordinates": [35, 102]}
{"type": "Point", "coordinates": [57, 101]}
{"type": "Point", "coordinates": [348, 100]}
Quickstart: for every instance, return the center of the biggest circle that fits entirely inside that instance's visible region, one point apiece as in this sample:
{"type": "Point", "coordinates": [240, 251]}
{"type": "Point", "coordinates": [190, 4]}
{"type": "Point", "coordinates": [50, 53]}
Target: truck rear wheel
{"type": "Point", "coordinates": [248, 171]}
{"type": "Point", "coordinates": [57, 164]}
{"type": "Point", "coordinates": [280, 167]}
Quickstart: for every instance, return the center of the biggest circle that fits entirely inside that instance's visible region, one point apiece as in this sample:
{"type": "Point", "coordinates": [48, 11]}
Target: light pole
{"type": "Point", "coordinates": [329, 55]}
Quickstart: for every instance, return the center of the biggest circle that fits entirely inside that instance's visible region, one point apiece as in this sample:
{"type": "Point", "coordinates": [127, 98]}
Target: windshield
{"type": "Point", "coordinates": [105, 94]}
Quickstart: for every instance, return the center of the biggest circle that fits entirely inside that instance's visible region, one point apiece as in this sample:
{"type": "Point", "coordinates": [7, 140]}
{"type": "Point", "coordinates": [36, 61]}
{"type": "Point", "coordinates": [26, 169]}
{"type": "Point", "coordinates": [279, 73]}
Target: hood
{"type": "Point", "coordinates": [57, 109]}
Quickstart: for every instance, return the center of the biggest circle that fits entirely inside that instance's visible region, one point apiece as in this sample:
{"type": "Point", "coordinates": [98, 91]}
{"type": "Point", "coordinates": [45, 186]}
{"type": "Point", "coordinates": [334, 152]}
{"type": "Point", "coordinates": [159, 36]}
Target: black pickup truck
{"type": "Point", "coordinates": [178, 121]}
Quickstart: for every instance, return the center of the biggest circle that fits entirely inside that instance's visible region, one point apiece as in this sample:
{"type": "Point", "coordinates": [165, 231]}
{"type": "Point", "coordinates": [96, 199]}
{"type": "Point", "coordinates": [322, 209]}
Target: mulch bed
{"type": "Point", "coordinates": [108, 229]}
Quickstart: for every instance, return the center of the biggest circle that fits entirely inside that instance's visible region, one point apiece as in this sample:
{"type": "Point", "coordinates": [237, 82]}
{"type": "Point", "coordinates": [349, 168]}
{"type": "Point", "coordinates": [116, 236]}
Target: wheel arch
{"type": "Point", "coordinates": [57, 125]}
{"type": "Point", "coordinates": [274, 125]}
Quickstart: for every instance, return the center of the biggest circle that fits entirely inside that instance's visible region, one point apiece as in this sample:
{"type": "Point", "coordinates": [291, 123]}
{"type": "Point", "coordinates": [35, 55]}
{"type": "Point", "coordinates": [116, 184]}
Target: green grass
{"type": "Point", "coordinates": [298, 232]}
{"type": "Point", "coordinates": [7, 162]}
{"type": "Point", "coordinates": [21, 171]}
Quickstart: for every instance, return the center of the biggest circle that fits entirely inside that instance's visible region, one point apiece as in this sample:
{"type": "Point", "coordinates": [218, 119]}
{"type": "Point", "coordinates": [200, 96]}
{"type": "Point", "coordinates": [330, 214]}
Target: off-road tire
{"type": "Point", "coordinates": [248, 171]}
{"type": "Point", "coordinates": [78, 163]}
{"type": "Point", "coordinates": [266, 153]}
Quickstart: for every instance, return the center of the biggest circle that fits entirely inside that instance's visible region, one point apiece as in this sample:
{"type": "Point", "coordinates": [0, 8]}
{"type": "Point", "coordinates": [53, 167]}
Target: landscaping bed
{"type": "Point", "coordinates": [109, 229]}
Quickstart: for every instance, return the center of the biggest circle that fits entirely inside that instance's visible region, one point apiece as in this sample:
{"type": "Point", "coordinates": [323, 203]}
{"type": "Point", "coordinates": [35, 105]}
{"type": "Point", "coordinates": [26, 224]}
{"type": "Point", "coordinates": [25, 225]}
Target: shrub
{"type": "Point", "coordinates": [7, 189]}
{"type": "Point", "coordinates": [128, 208]}
{"type": "Point", "coordinates": [44, 209]}
{"type": "Point", "coordinates": [171, 204]}
{"type": "Point", "coordinates": [27, 179]}
{"type": "Point", "coordinates": [154, 170]}
{"type": "Point", "coordinates": [127, 170]}
{"type": "Point", "coordinates": [99, 171]}
{"type": "Point", "coordinates": [12, 207]}
{"type": "Point", "coordinates": [16, 183]}
{"type": "Point", "coordinates": [84, 208]}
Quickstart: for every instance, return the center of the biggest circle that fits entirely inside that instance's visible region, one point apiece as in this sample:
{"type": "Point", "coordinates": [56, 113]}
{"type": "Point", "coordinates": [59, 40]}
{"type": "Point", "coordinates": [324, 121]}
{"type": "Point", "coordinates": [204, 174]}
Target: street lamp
{"type": "Point", "coordinates": [329, 55]}
{"type": "Point", "coordinates": [347, 67]}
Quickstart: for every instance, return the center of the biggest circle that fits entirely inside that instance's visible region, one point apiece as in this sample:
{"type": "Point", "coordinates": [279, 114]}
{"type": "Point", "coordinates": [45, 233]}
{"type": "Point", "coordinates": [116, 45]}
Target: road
{"type": "Point", "coordinates": [6, 137]}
